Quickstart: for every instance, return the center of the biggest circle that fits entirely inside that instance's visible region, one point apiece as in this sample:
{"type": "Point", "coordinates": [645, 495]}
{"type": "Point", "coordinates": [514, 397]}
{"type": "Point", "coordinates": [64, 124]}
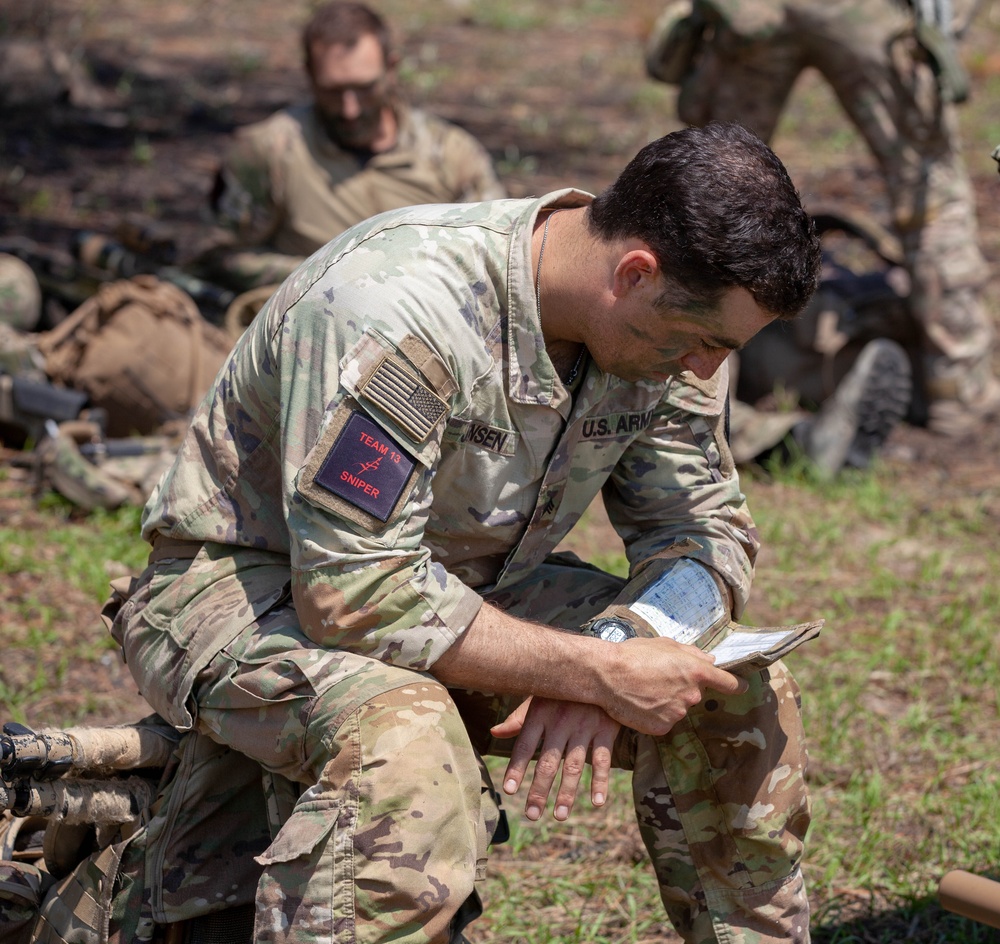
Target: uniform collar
{"type": "Point", "coordinates": [531, 377]}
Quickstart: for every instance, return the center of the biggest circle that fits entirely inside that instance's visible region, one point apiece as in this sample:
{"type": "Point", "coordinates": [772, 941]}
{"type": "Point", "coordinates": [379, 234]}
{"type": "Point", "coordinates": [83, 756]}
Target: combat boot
{"type": "Point", "coordinates": [866, 406]}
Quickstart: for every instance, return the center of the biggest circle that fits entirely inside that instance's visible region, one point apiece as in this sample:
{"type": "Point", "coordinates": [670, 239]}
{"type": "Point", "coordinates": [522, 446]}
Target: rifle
{"type": "Point", "coordinates": [91, 471]}
{"type": "Point", "coordinates": [105, 254]}
{"type": "Point", "coordinates": [73, 275]}
{"type": "Point", "coordinates": [33, 409]}
{"type": "Point", "coordinates": [28, 403]}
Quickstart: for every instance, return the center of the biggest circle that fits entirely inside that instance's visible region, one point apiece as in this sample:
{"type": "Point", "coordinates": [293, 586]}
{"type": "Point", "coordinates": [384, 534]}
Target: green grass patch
{"type": "Point", "coordinates": [900, 692]}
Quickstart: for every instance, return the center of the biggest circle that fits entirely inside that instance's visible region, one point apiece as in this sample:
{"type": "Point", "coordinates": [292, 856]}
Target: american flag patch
{"type": "Point", "coordinates": [412, 405]}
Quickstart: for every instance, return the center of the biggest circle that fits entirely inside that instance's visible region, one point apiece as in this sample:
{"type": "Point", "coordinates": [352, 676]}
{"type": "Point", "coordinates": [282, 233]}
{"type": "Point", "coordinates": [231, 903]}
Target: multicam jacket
{"type": "Point", "coordinates": [390, 441]}
{"type": "Point", "coordinates": [287, 187]}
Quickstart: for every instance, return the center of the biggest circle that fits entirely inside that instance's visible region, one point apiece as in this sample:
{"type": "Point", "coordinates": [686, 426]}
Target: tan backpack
{"type": "Point", "coordinates": [140, 349]}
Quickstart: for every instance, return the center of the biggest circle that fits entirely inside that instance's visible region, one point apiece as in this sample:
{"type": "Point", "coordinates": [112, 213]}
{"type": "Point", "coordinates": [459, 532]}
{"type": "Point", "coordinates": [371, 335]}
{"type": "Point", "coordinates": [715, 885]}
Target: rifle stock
{"type": "Point", "coordinates": [27, 403]}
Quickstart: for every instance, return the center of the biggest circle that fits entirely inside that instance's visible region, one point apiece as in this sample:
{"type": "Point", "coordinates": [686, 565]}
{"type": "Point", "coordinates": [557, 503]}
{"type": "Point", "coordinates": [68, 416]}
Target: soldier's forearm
{"type": "Point", "coordinates": [645, 684]}
{"type": "Point", "coordinates": [500, 653]}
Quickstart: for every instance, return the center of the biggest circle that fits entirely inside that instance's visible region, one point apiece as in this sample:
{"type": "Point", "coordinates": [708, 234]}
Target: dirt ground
{"type": "Point", "coordinates": [556, 92]}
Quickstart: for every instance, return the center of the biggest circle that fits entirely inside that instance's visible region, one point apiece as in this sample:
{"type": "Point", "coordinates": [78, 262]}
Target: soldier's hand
{"type": "Point", "coordinates": [566, 732]}
{"type": "Point", "coordinates": [652, 683]}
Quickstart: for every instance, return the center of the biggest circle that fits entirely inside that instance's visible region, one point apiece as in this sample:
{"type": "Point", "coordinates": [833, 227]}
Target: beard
{"type": "Point", "coordinates": [354, 134]}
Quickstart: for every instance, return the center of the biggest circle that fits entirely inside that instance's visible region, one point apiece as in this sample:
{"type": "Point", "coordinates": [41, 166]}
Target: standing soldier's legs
{"type": "Point", "coordinates": [391, 831]}
{"type": "Point", "coordinates": [866, 50]}
{"type": "Point", "coordinates": [721, 800]}
{"type": "Point", "coordinates": [948, 275]}
{"type": "Point", "coordinates": [888, 87]}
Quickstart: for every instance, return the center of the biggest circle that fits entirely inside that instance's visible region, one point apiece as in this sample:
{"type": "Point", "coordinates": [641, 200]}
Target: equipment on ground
{"type": "Point", "coordinates": [971, 896]}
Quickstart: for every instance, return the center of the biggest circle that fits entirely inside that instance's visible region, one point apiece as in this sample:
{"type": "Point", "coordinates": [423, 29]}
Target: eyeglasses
{"type": "Point", "coordinates": [361, 90]}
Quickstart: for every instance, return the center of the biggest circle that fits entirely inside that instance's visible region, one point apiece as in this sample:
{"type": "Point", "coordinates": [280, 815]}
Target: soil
{"type": "Point", "coordinates": [555, 92]}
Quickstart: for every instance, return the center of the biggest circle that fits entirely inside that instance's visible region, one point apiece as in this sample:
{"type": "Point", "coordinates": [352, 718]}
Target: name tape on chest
{"type": "Point", "coordinates": [366, 467]}
{"type": "Point", "coordinates": [474, 433]}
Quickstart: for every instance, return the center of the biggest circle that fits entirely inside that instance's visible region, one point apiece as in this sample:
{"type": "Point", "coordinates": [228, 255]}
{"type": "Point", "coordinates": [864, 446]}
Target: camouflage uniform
{"type": "Point", "coordinates": [754, 432]}
{"type": "Point", "coordinates": [744, 67]}
{"type": "Point", "coordinates": [286, 188]}
{"type": "Point", "coordinates": [384, 451]}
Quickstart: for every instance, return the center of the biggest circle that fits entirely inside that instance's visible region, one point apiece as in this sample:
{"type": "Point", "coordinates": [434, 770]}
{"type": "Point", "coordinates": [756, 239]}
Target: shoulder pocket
{"type": "Point", "coordinates": [358, 470]}
{"type": "Point", "coordinates": [405, 388]}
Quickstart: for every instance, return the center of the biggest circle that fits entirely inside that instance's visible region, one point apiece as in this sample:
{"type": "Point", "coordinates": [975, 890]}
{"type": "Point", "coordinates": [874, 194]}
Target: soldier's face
{"type": "Point", "coordinates": [647, 342]}
{"type": "Point", "coordinates": [351, 86]}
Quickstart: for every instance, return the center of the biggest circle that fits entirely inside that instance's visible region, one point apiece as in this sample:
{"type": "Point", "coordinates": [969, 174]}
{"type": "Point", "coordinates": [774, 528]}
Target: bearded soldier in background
{"type": "Point", "coordinates": [302, 176]}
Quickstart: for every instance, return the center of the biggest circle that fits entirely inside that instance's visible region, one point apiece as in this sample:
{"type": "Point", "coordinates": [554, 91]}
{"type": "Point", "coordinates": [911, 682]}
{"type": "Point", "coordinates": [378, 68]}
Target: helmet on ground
{"type": "Point", "coordinates": [20, 294]}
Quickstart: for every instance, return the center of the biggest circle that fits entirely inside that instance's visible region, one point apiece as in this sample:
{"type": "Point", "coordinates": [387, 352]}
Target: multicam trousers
{"type": "Point", "coordinates": [389, 837]}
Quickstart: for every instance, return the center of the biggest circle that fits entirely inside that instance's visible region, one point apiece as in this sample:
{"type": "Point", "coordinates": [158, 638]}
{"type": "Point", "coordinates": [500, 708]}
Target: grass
{"type": "Point", "coordinates": [87, 552]}
{"type": "Point", "coordinates": [901, 692]}
{"type": "Point", "coordinates": [901, 705]}
{"type": "Point", "coordinates": [55, 567]}
{"type": "Point", "coordinates": [901, 702]}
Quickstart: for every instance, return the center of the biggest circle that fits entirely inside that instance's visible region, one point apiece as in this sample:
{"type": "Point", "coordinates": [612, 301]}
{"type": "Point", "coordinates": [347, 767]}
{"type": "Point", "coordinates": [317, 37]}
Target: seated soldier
{"type": "Point", "coordinates": [353, 580]}
{"type": "Point", "coordinates": [294, 181]}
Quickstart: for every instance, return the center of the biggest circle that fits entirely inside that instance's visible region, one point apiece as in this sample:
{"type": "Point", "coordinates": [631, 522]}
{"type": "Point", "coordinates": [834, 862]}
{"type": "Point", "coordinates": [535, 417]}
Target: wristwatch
{"type": "Point", "coordinates": [612, 629]}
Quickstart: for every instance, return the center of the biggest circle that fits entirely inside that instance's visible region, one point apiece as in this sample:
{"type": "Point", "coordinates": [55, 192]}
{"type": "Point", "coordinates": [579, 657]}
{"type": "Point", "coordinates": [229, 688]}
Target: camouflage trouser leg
{"type": "Point", "coordinates": [391, 833]}
{"type": "Point", "coordinates": [893, 98]}
{"type": "Point", "coordinates": [721, 801]}
{"type": "Point", "coordinates": [723, 810]}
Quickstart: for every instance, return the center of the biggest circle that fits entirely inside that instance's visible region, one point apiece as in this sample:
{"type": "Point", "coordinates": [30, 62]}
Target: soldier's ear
{"type": "Point", "coordinates": [635, 268]}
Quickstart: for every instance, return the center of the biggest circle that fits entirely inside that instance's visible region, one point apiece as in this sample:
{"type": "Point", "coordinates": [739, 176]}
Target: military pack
{"type": "Point", "coordinates": [140, 350]}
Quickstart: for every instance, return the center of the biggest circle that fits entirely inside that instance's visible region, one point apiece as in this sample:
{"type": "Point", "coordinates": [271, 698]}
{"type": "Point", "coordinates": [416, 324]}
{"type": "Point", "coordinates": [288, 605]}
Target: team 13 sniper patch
{"type": "Point", "coordinates": [366, 467]}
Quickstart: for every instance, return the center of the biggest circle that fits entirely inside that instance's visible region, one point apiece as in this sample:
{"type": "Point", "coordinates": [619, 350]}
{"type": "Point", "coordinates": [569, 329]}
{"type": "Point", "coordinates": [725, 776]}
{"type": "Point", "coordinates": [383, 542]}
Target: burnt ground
{"type": "Point", "coordinates": [556, 92]}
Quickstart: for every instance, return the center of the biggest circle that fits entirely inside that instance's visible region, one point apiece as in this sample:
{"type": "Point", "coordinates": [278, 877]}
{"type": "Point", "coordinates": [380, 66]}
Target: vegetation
{"type": "Point", "coordinates": [901, 698]}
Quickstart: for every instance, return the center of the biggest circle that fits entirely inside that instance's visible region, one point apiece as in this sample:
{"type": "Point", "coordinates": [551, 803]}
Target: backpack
{"type": "Point", "coordinates": [141, 351]}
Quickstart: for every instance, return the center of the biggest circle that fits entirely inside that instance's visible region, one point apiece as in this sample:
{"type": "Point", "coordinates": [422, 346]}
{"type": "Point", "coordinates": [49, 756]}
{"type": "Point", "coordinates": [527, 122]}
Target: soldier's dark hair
{"type": "Point", "coordinates": [718, 210]}
{"type": "Point", "coordinates": [342, 23]}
